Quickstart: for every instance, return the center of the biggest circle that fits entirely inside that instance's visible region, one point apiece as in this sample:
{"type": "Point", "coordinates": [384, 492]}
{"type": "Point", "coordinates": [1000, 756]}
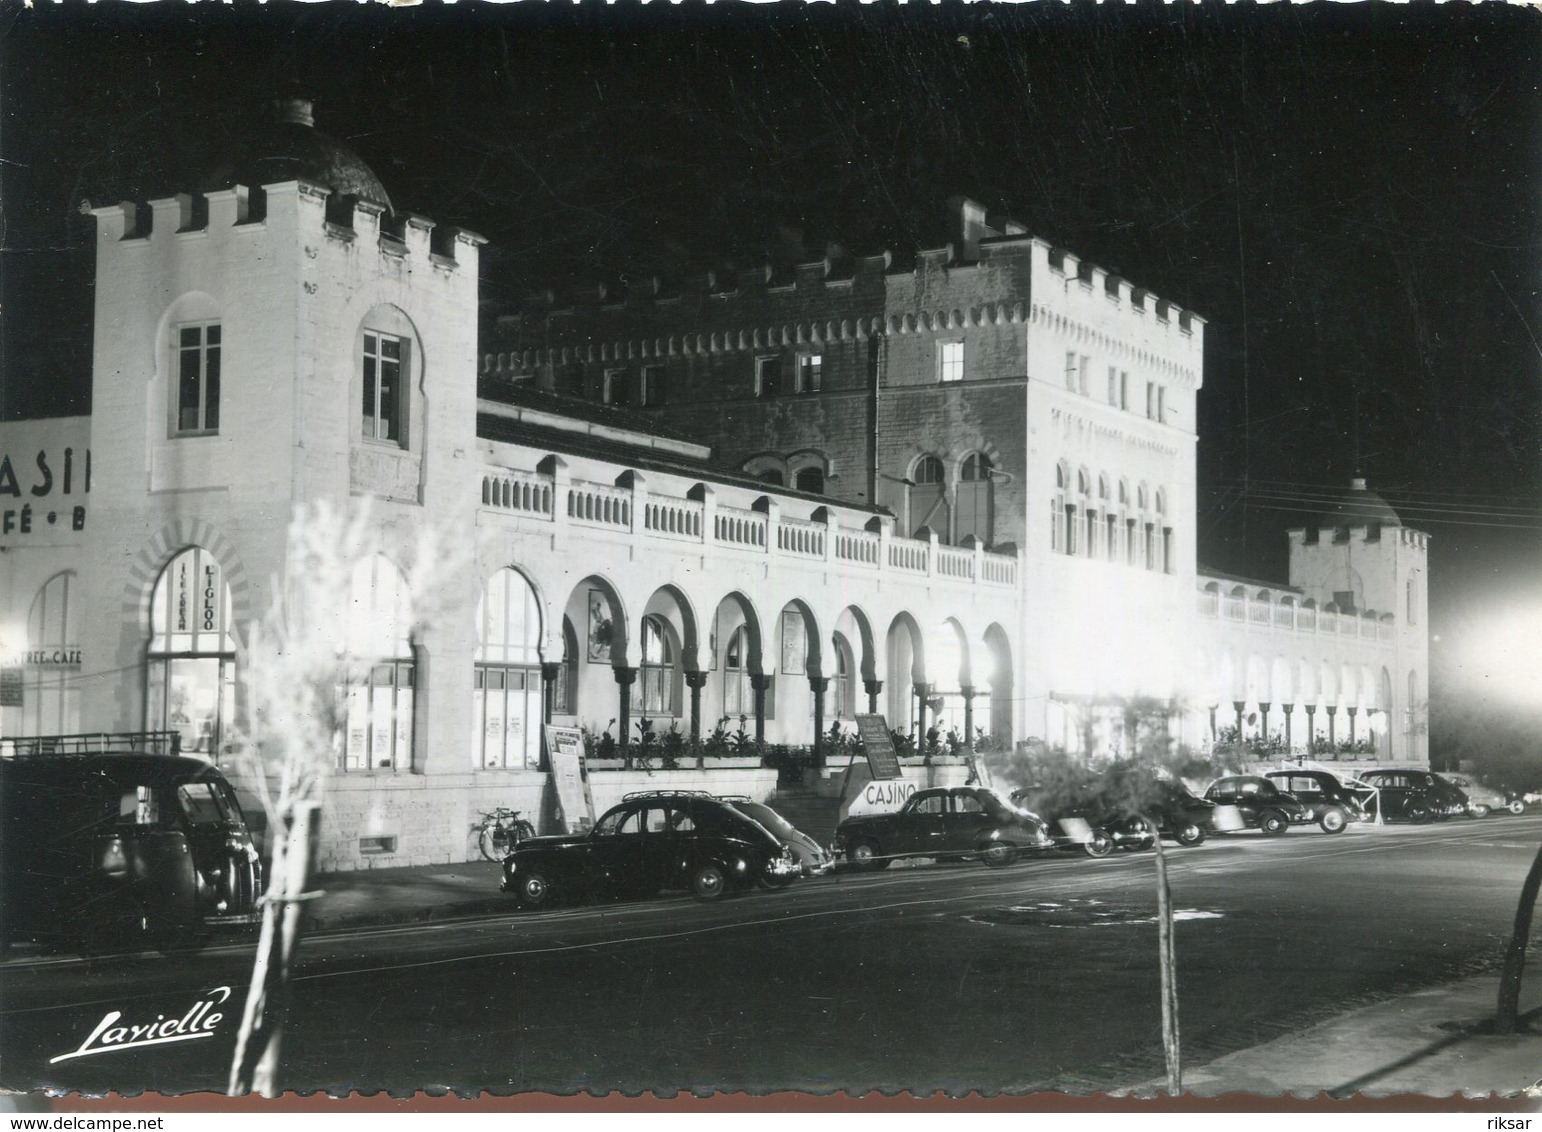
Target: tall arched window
{"type": "Point", "coordinates": [1089, 514]}
{"type": "Point", "coordinates": [1110, 521]}
{"type": "Point", "coordinates": [565, 695]}
{"type": "Point", "coordinates": [738, 698]}
{"type": "Point", "coordinates": [50, 699]}
{"type": "Point", "coordinates": [1127, 523]}
{"type": "Point", "coordinates": [1146, 554]}
{"type": "Point", "coordinates": [653, 692]}
{"type": "Point", "coordinates": [841, 704]}
{"type": "Point", "coordinates": [378, 733]}
{"type": "Point", "coordinates": [1164, 533]}
{"type": "Point", "coordinates": [507, 675]}
{"type": "Point", "coordinates": [1057, 511]}
{"type": "Point", "coordinates": [191, 663]}
{"type": "Point", "coordinates": [975, 497]}
{"type": "Point", "coordinates": [928, 498]}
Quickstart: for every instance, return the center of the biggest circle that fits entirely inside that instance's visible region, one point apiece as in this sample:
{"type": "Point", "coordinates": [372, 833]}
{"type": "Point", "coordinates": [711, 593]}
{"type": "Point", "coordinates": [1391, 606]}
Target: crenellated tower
{"type": "Point", "coordinates": [1359, 561]}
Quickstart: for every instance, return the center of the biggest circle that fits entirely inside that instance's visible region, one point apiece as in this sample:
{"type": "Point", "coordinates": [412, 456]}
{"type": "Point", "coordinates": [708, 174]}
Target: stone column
{"type": "Point", "coordinates": [818, 684]}
{"type": "Point", "coordinates": [1352, 712]}
{"type": "Point", "coordinates": [759, 682]}
{"type": "Point", "coordinates": [549, 673]}
{"type": "Point", "coordinates": [1238, 705]}
{"type": "Point", "coordinates": [624, 680]}
{"type": "Point", "coordinates": [1332, 735]}
{"type": "Point", "coordinates": [1289, 710]}
{"type": "Point", "coordinates": [1311, 726]}
{"type": "Point", "coordinates": [873, 688]}
{"type": "Point", "coordinates": [1263, 721]}
{"type": "Point", "coordinates": [695, 681]}
{"type": "Point", "coordinates": [921, 693]}
{"type": "Point", "coordinates": [967, 691]}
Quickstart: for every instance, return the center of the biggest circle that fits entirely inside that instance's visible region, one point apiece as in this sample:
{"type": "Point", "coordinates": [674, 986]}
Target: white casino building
{"type": "Point", "coordinates": [284, 337]}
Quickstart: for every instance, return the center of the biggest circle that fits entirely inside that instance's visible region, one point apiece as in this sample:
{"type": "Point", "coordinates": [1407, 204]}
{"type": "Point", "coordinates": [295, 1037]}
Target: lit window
{"type": "Point", "coordinates": [950, 361]}
{"type": "Point", "coordinates": [1124, 390]}
{"type": "Point", "coordinates": [1070, 370]}
{"type": "Point", "coordinates": [1113, 385]}
{"type": "Point", "coordinates": [385, 357]}
{"type": "Point", "coordinates": [198, 378]}
{"type": "Point", "coordinates": [768, 375]}
{"type": "Point", "coordinates": [1150, 399]}
{"type": "Point", "coordinates": [810, 368]}
{"type": "Point", "coordinates": [653, 692]}
{"type": "Point", "coordinates": [1081, 374]}
{"type": "Point", "coordinates": [1161, 404]}
{"type": "Point", "coordinates": [506, 687]}
{"type": "Point", "coordinates": [379, 699]}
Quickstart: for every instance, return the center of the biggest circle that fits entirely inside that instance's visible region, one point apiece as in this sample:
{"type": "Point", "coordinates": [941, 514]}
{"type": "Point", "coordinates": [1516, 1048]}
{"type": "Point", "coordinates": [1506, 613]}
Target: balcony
{"type": "Point", "coordinates": [761, 530]}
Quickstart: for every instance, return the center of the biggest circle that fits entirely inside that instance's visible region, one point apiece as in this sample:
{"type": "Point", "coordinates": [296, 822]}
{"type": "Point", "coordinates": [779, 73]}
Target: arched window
{"type": "Point", "coordinates": [1165, 534]}
{"type": "Point", "coordinates": [565, 695]}
{"type": "Point", "coordinates": [811, 480]}
{"type": "Point", "coordinates": [1110, 522]}
{"type": "Point", "coordinates": [50, 698]}
{"type": "Point", "coordinates": [1147, 544]}
{"type": "Point", "coordinates": [1089, 536]}
{"type": "Point", "coordinates": [506, 696]}
{"type": "Point", "coordinates": [928, 498]}
{"type": "Point", "coordinates": [841, 703]}
{"type": "Point", "coordinates": [190, 671]}
{"type": "Point", "coordinates": [1057, 511]}
{"type": "Point", "coordinates": [975, 502]}
{"type": "Point", "coordinates": [738, 698]}
{"type": "Point", "coordinates": [653, 692]}
{"type": "Point", "coordinates": [380, 699]}
{"type": "Point", "coordinates": [771, 476]}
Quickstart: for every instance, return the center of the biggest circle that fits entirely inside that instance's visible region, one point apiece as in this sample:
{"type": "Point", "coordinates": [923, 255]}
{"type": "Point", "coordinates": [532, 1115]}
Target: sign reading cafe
{"type": "Point", "coordinates": [32, 491]}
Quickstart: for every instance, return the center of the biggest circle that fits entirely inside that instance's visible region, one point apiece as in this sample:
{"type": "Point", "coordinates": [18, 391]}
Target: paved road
{"type": "Point", "coordinates": [954, 977]}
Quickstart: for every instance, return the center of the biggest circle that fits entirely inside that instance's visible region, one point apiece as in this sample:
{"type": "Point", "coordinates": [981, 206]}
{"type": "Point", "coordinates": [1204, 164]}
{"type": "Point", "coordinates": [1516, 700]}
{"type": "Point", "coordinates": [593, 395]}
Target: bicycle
{"type": "Point", "coordinates": [501, 829]}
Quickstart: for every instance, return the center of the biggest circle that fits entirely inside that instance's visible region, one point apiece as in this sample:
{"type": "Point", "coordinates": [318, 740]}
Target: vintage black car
{"type": "Point", "coordinates": [1178, 815]}
{"type": "Point", "coordinates": [965, 821]}
{"type": "Point", "coordinates": [1415, 795]}
{"type": "Point", "coordinates": [648, 843]}
{"type": "Point", "coordinates": [107, 851]}
{"type": "Point", "coordinates": [1261, 804]}
{"type": "Point", "coordinates": [1331, 803]}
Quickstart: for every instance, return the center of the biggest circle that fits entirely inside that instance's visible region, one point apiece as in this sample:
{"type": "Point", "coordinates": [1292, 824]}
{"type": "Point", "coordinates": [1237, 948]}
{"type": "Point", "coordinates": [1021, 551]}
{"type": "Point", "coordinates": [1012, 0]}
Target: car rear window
{"type": "Point", "coordinates": [202, 803]}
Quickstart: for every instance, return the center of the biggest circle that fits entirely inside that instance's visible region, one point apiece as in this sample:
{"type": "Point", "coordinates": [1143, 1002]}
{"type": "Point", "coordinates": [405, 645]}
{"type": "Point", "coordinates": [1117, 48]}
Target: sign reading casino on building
{"type": "Point", "coordinates": [38, 486]}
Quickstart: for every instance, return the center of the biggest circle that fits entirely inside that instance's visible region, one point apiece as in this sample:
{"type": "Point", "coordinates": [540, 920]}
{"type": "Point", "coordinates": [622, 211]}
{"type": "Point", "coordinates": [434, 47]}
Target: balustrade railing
{"type": "Point", "coordinates": [857, 546]}
{"type": "Point", "coordinates": [1299, 618]}
{"type": "Point", "coordinates": [737, 527]}
{"type": "Point", "coordinates": [799, 536]}
{"type": "Point", "coordinates": [672, 516]}
{"type": "Point", "coordinates": [955, 563]}
{"type": "Point", "coordinates": [908, 554]}
{"type": "Point", "coordinates": [599, 504]}
{"type": "Point", "coordinates": [510, 490]}
{"type": "Point", "coordinates": [532, 495]}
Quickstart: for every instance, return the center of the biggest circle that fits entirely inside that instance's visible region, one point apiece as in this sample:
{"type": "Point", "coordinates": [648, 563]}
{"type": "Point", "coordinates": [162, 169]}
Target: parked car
{"type": "Point", "coordinates": [1483, 799]}
{"type": "Point", "coordinates": [1332, 804]}
{"type": "Point", "coordinates": [965, 821]}
{"type": "Point", "coordinates": [813, 858]}
{"type": "Point", "coordinates": [648, 843]}
{"type": "Point", "coordinates": [1415, 795]}
{"type": "Point", "coordinates": [111, 851]}
{"type": "Point", "coordinates": [1261, 804]}
{"type": "Point", "coordinates": [1068, 826]}
{"type": "Point", "coordinates": [1178, 815]}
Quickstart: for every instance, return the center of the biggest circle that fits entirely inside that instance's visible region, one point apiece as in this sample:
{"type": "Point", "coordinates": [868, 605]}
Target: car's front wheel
{"type": "Point", "coordinates": [1418, 814]}
{"type": "Point", "coordinates": [533, 889]}
{"type": "Point", "coordinates": [865, 855]}
{"type": "Point", "coordinates": [1273, 822]}
{"type": "Point", "coordinates": [1190, 833]}
{"type": "Point", "coordinates": [1333, 820]}
{"type": "Point", "coordinates": [1479, 810]}
{"type": "Point", "coordinates": [709, 882]}
{"type": "Point", "coordinates": [1098, 846]}
{"type": "Point", "coordinates": [997, 854]}
{"type": "Point", "coordinates": [1517, 807]}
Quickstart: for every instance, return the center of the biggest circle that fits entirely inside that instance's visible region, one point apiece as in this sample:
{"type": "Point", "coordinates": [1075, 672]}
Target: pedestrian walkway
{"type": "Point", "coordinates": [1426, 1043]}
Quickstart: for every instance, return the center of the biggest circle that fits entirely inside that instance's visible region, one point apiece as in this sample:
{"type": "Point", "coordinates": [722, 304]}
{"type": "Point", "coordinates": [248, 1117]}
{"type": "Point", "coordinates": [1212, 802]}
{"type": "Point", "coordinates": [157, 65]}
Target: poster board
{"type": "Point", "coordinates": [570, 777]}
{"type": "Point", "coordinates": [878, 744]}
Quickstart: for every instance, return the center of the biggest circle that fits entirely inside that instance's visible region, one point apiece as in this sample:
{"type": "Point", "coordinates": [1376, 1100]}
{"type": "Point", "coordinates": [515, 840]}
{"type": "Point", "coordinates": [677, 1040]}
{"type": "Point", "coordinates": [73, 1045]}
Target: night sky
{"type": "Point", "coordinates": [1351, 195]}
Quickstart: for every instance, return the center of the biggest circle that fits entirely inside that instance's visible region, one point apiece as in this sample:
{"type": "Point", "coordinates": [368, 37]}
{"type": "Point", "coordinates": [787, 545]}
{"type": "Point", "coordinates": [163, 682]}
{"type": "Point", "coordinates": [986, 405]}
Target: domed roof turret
{"type": "Point", "coordinates": [288, 147]}
{"type": "Point", "coordinates": [1358, 507]}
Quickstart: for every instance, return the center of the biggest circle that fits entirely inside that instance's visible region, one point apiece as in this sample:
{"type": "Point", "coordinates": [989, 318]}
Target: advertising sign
{"type": "Point", "coordinates": [882, 759]}
{"type": "Point", "coordinates": [575, 804]}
